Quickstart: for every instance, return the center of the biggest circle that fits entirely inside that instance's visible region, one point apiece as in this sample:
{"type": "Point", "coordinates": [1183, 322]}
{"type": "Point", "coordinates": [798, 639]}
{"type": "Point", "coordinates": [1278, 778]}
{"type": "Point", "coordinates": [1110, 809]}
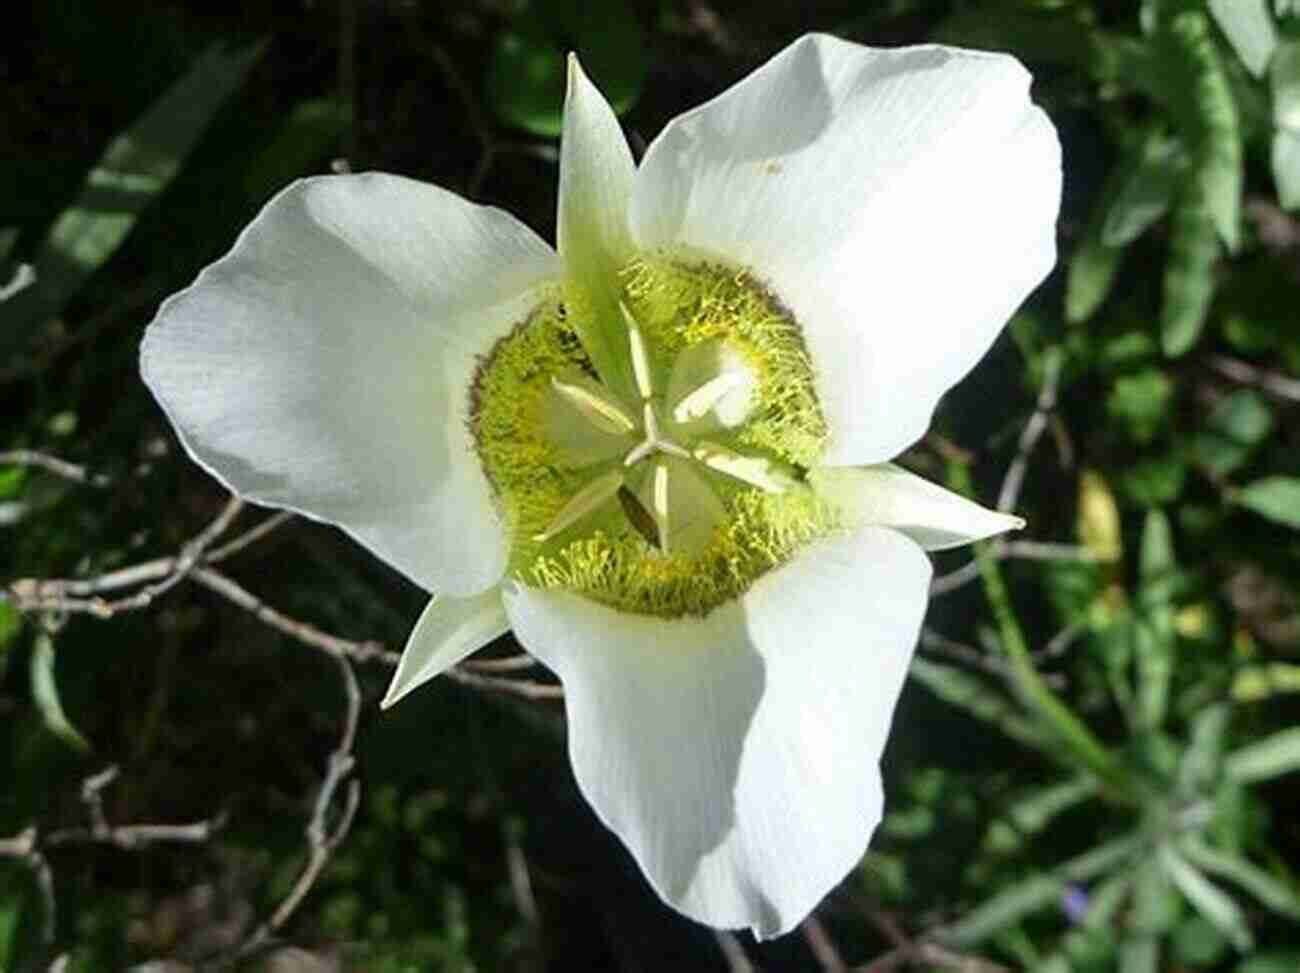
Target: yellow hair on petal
{"type": "Point", "coordinates": [681, 304]}
{"type": "Point", "coordinates": [605, 557]}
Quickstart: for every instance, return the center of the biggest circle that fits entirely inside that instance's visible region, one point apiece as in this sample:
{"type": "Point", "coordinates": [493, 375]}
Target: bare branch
{"type": "Point", "coordinates": [1047, 551]}
{"type": "Point", "coordinates": [1029, 436]}
{"type": "Point", "coordinates": [188, 559]}
{"type": "Point", "coordinates": [80, 595]}
{"type": "Point", "coordinates": [75, 594]}
{"type": "Point", "coordinates": [1019, 550]}
{"type": "Point", "coordinates": [25, 848]}
{"type": "Point", "coordinates": [822, 946]}
{"type": "Point", "coordinates": [249, 537]}
{"type": "Point", "coordinates": [733, 952]}
{"type": "Point", "coordinates": [918, 952]}
{"type": "Point", "coordinates": [94, 800]}
{"type": "Point", "coordinates": [303, 632]}
{"type": "Point", "coordinates": [366, 651]}
{"type": "Point", "coordinates": [521, 884]}
{"type": "Point", "coordinates": [129, 837]}
{"type": "Point", "coordinates": [321, 840]}
{"type": "Point", "coordinates": [511, 663]}
{"type": "Point", "coordinates": [929, 955]}
{"type": "Point", "coordinates": [52, 464]}
{"type": "Point", "coordinates": [939, 644]}
{"type": "Point", "coordinates": [518, 687]}
{"type": "Point", "coordinates": [1244, 373]}
{"type": "Point", "coordinates": [28, 845]}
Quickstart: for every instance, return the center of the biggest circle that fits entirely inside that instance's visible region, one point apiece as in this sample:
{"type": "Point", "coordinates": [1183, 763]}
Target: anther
{"type": "Point", "coordinates": [697, 403]}
{"type": "Point", "coordinates": [598, 410]}
{"type": "Point", "coordinates": [582, 503]}
{"type": "Point", "coordinates": [640, 357]}
{"type": "Point", "coordinates": [756, 472]}
{"type": "Point", "coordinates": [660, 503]}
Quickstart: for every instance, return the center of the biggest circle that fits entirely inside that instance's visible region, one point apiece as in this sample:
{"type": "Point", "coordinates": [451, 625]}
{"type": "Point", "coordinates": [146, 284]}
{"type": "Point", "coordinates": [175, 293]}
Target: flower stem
{"type": "Point", "coordinates": [1083, 746]}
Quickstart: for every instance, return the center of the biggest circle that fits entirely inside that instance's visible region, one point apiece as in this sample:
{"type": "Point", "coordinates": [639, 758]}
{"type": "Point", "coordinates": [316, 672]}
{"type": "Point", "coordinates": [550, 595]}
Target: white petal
{"type": "Point", "coordinates": [324, 364]}
{"type": "Point", "coordinates": [449, 630]}
{"type": "Point", "coordinates": [736, 754]}
{"type": "Point", "coordinates": [900, 202]}
{"type": "Point", "coordinates": [889, 496]}
{"type": "Point", "coordinates": [596, 171]}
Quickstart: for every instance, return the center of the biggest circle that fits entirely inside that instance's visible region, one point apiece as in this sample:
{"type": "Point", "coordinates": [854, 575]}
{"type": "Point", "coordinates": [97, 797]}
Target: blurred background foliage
{"type": "Point", "coordinates": [1093, 765]}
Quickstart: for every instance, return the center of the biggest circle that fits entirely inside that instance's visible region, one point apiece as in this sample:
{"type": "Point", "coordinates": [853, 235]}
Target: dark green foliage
{"type": "Point", "coordinates": [1128, 803]}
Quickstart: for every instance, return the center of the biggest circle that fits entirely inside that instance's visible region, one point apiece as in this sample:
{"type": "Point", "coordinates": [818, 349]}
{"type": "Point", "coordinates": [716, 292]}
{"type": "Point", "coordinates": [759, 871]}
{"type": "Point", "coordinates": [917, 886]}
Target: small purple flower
{"type": "Point", "coordinates": [1074, 903]}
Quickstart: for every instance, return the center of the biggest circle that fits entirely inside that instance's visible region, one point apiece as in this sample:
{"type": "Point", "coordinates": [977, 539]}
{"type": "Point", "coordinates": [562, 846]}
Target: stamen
{"type": "Point", "coordinates": [661, 503]}
{"type": "Point", "coordinates": [640, 357]}
{"type": "Point", "coordinates": [651, 423]}
{"type": "Point", "coordinates": [653, 441]}
{"type": "Point", "coordinates": [697, 403]}
{"type": "Point", "coordinates": [582, 503]}
{"type": "Point", "coordinates": [639, 453]}
{"type": "Point", "coordinates": [756, 472]}
{"type": "Point", "coordinates": [598, 410]}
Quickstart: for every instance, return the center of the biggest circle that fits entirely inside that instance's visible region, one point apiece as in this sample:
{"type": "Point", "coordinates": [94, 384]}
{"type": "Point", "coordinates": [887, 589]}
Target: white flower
{"type": "Point", "coordinates": [687, 512]}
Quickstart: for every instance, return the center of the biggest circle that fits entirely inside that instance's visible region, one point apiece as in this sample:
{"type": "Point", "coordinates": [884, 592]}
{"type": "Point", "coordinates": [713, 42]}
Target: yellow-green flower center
{"type": "Point", "coordinates": [673, 498]}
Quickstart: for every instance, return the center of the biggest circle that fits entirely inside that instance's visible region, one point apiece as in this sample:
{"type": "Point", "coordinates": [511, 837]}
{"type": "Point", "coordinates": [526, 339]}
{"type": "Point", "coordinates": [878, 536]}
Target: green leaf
{"type": "Point", "coordinates": [11, 624]}
{"type": "Point", "coordinates": [1284, 79]}
{"type": "Point", "coordinates": [1140, 402]}
{"type": "Point", "coordinates": [134, 170]}
{"type": "Point", "coordinates": [1210, 204]}
{"type": "Point", "coordinates": [1154, 632]}
{"type": "Point", "coordinates": [11, 912]}
{"type": "Point", "coordinates": [1217, 162]}
{"type": "Point", "coordinates": [526, 77]}
{"type": "Point", "coordinates": [1235, 427]}
{"type": "Point", "coordinates": [1139, 955]}
{"type": "Point", "coordinates": [1286, 167]}
{"type": "Point", "coordinates": [45, 693]}
{"type": "Point", "coordinates": [1090, 277]}
{"type": "Point", "coordinates": [1254, 683]}
{"type": "Point", "coordinates": [1208, 899]}
{"type": "Point", "coordinates": [1156, 904]}
{"type": "Point", "coordinates": [1265, 759]}
{"type": "Point", "coordinates": [1157, 562]}
{"type": "Point", "coordinates": [1250, 30]}
{"type": "Point", "coordinates": [1273, 961]}
{"type": "Point", "coordinates": [1199, 765]}
{"type": "Point", "coordinates": [1274, 497]}
{"type": "Point", "coordinates": [1154, 481]}
{"type": "Point", "coordinates": [1189, 275]}
{"type": "Point", "coordinates": [1197, 944]}
{"type": "Point", "coordinates": [1038, 892]}
{"type": "Point", "coordinates": [1271, 892]}
{"type": "Point", "coordinates": [1059, 35]}
{"type": "Point", "coordinates": [1150, 180]}
{"type": "Point", "coordinates": [312, 129]}
{"type": "Point", "coordinates": [959, 688]}
{"type": "Point", "coordinates": [1033, 812]}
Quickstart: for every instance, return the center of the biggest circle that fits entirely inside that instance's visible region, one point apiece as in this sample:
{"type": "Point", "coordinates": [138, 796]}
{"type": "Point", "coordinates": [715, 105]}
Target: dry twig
{"type": "Point", "coordinates": [1244, 373]}
{"type": "Point", "coordinates": [322, 841]}
{"type": "Point", "coordinates": [24, 847]}
{"type": "Point", "coordinates": [1029, 436]}
{"type": "Point", "coordinates": [917, 952]}
{"type": "Point", "coordinates": [28, 846]}
{"type": "Point", "coordinates": [733, 952]}
{"type": "Point", "coordinates": [939, 644]}
{"type": "Point", "coordinates": [822, 946]}
{"type": "Point", "coordinates": [55, 465]}
{"type": "Point", "coordinates": [1020, 550]}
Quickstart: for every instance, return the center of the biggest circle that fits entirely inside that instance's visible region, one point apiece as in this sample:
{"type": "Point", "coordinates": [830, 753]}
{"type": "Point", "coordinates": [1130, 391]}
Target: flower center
{"type": "Point", "coordinates": [673, 497]}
